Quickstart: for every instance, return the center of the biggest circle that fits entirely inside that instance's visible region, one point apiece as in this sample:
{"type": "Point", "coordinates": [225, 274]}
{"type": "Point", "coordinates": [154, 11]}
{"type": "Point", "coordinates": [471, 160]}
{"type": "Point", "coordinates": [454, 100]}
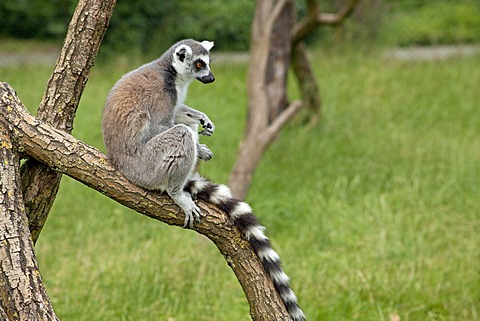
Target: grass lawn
{"type": "Point", "coordinates": [375, 210]}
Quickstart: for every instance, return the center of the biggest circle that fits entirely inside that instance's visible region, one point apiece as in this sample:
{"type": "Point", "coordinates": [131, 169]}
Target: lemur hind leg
{"type": "Point", "coordinates": [174, 155]}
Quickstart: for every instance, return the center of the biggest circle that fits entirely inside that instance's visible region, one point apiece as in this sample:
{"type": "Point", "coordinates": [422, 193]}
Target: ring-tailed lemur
{"type": "Point", "coordinates": [150, 135]}
{"type": "Point", "coordinates": [151, 138]}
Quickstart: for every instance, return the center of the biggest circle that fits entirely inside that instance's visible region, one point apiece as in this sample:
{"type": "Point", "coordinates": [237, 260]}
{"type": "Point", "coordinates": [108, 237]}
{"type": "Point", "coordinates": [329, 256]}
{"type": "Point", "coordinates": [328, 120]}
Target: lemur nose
{"type": "Point", "coordinates": [208, 78]}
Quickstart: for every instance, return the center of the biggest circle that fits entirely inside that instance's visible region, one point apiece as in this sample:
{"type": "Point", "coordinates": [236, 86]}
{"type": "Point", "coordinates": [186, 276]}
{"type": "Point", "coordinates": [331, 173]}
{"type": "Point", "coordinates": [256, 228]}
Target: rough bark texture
{"type": "Point", "coordinates": [67, 155]}
{"type": "Point", "coordinates": [22, 294]}
{"type": "Point", "coordinates": [301, 66]}
{"type": "Point", "coordinates": [268, 108]}
{"type": "Point", "coordinates": [306, 79]}
{"type": "Point", "coordinates": [60, 101]}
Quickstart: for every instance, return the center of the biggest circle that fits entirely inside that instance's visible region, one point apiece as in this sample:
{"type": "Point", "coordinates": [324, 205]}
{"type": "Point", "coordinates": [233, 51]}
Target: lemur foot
{"type": "Point", "coordinates": [194, 211]}
{"type": "Point", "coordinates": [204, 153]}
{"type": "Point", "coordinates": [186, 204]}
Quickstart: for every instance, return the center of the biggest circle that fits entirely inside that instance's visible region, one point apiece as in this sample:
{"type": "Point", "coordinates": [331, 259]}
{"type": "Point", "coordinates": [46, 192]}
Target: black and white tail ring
{"type": "Point", "coordinates": [243, 217]}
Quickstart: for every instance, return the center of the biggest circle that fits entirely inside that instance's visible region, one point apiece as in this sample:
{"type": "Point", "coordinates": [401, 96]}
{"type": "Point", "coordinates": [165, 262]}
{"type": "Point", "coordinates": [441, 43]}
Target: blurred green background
{"type": "Point", "coordinates": [149, 27]}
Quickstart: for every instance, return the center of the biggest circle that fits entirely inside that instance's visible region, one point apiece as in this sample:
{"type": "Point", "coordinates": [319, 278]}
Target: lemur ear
{"type": "Point", "coordinates": [182, 52]}
{"type": "Point", "coordinates": [207, 44]}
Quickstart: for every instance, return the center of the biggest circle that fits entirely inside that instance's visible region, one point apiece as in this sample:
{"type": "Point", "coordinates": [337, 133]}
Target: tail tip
{"type": "Point", "coordinates": [297, 315]}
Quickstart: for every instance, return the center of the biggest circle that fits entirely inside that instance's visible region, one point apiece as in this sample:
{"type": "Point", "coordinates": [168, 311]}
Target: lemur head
{"type": "Point", "coordinates": [192, 59]}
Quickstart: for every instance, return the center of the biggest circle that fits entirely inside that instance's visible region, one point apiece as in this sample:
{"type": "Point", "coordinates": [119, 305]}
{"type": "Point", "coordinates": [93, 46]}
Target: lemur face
{"type": "Point", "coordinates": [196, 65]}
{"type": "Point", "coordinates": [202, 70]}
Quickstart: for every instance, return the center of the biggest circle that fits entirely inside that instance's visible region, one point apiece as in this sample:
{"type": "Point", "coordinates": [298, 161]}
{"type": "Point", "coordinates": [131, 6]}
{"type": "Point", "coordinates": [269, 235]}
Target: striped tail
{"type": "Point", "coordinates": [243, 217]}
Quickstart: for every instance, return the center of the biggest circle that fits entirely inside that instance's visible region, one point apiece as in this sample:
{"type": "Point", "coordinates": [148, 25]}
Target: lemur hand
{"type": "Point", "coordinates": [208, 126]}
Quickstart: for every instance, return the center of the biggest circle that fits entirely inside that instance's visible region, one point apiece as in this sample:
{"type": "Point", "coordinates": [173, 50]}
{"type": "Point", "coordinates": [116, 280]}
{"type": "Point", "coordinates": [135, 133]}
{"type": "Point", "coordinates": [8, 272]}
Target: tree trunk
{"type": "Point", "coordinates": [306, 79]}
{"type": "Point", "coordinates": [267, 79]}
{"type": "Point", "coordinates": [22, 294]}
{"type": "Point", "coordinates": [67, 155]}
{"type": "Point", "coordinates": [274, 34]}
{"type": "Point", "coordinates": [60, 101]}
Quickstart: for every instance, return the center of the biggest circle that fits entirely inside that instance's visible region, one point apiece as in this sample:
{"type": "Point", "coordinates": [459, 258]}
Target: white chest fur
{"type": "Point", "coordinates": [181, 88]}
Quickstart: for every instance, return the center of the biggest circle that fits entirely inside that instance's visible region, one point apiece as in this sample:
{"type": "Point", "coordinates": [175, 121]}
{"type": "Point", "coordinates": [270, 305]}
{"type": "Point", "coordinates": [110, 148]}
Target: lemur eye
{"type": "Point", "coordinates": [199, 64]}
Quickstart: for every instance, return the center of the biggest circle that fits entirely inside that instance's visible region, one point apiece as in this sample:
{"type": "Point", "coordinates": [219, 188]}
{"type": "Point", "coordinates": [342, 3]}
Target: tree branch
{"type": "Point", "coordinates": [315, 18]}
{"type": "Point", "coordinates": [60, 101]}
{"type": "Point", "coordinates": [274, 128]}
{"type": "Point", "coordinates": [65, 154]}
{"type": "Point", "coordinates": [337, 18]}
{"type": "Point", "coordinates": [307, 82]}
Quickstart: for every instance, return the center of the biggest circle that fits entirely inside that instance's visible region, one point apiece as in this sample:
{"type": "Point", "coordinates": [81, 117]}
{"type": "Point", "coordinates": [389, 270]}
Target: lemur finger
{"type": "Point", "coordinates": [197, 215]}
{"type": "Point", "coordinates": [207, 125]}
{"type": "Point", "coordinates": [188, 220]}
{"type": "Point", "coordinates": [206, 132]}
{"type": "Point", "coordinates": [211, 127]}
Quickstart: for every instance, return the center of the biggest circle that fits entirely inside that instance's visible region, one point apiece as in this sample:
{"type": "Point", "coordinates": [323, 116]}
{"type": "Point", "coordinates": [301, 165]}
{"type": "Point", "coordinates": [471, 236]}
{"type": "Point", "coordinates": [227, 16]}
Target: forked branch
{"type": "Point", "coordinates": [315, 18]}
{"type": "Point", "coordinates": [278, 123]}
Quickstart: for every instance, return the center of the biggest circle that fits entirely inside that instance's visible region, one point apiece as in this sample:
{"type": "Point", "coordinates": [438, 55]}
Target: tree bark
{"type": "Point", "coordinates": [268, 108]}
{"type": "Point", "coordinates": [60, 101]}
{"type": "Point", "coordinates": [306, 79]}
{"type": "Point", "coordinates": [253, 147]}
{"type": "Point", "coordinates": [22, 294]}
{"type": "Point", "coordinates": [67, 155]}
{"type": "Point", "coordinates": [301, 66]}
{"type": "Point", "coordinates": [315, 17]}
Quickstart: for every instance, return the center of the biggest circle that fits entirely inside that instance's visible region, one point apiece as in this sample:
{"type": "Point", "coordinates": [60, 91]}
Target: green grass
{"type": "Point", "coordinates": [374, 210]}
{"type": "Point", "coordinates": [432, 23]}
{"type": "Point", "coordinates": [10, 45]}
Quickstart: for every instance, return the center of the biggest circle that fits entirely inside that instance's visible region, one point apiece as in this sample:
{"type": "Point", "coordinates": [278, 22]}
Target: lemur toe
{"type": "Point", "coordinates": [191, 216]}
